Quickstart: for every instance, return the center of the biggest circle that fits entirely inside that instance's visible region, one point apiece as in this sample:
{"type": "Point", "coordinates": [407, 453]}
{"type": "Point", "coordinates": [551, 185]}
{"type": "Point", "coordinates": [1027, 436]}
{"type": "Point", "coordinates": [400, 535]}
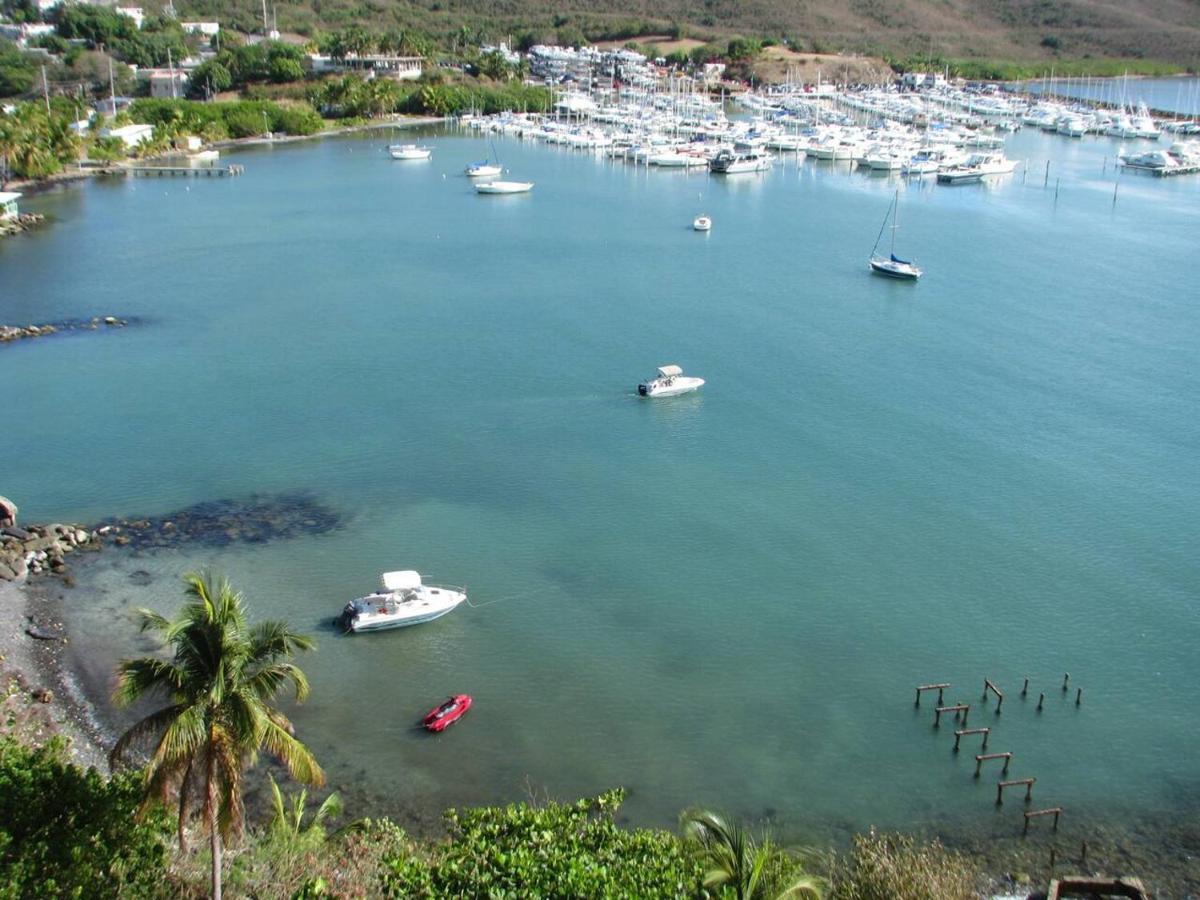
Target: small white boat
{"type": "Point", "coordinates": [670, 383]}
{"type": "Point", "coordinates": [205, 156]}
{"type": "Point", "coordinates": [403, 601]}
{"type": "Point", "coordinates": [504, 187]}
{"type": "Point", "coordinates": [409, 151]}
{"type": "Point", "coordinates": [482, 169]}
{"type": "Point", "coordinates": [702, 223]}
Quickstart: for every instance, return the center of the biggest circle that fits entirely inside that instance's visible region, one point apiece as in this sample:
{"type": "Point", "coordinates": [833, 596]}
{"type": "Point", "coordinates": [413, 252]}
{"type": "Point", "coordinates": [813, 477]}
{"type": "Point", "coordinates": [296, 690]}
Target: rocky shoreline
{"type": "Point", "coordinates": [9, 333]}
{"type": "Point", "coordinates": [21, 223]}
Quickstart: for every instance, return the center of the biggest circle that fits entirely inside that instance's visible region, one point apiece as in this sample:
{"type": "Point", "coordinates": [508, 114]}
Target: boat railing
{"type": "Point", "coordinates": [458, 589]}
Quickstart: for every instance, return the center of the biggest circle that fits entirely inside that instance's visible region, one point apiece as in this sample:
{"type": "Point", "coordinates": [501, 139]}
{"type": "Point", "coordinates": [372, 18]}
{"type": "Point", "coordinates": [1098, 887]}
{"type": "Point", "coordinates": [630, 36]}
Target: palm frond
{"type": "Point", "coordinates": [137, 677]}
{"type": "Point", "coordinates": [145, 730]}
{"type": "Point", "coordinates": [298, 759]}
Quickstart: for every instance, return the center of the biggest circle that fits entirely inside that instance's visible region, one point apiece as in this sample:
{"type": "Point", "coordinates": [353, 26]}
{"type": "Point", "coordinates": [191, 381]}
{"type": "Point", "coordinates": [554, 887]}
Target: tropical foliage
{"type": "Point", "coordinates": [552, 851]}
{"type": "Point", "coordinates": [738, 866]}
{"type": "Point", "coordinates": [65, 832]}
{"type": "Point", "coordinates": [34, 143]}
{"type": "Point", "coordinates": [219, 685]}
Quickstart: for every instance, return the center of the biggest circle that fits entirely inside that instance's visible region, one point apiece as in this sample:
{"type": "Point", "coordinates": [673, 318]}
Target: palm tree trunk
{"type": "Point", "coordinates": [215, 830]}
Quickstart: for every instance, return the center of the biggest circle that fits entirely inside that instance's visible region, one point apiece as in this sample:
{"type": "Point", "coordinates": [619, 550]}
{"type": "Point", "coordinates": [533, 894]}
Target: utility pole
{"type": "Point", "coordinates": [46, 91]}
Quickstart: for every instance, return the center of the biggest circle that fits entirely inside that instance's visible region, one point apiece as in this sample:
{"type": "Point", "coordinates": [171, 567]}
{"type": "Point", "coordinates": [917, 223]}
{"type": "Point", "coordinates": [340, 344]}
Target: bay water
{"type": "Point", "coordinates": [725, 598]}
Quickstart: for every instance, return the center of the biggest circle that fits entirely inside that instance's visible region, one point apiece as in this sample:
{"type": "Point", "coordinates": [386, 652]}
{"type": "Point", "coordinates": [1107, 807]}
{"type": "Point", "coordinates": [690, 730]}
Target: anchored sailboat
{"type": "Point", "coordinates": [892, 265]}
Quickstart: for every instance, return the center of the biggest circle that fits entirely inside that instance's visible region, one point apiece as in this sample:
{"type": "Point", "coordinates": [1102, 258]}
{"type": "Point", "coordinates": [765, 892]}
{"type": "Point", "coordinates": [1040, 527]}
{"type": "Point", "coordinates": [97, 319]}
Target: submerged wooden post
{"type": "Point", "coordinates": [989, 686]}
{"type": "Point", "coordinates": [956, 709]}
{"type": "Point", "coordinates": [1028, 782]}
{"type": "Point", "coordinates": [958, 736]}
{"type": "Point", "coordinates": [1047, 179]}
{"type": "Point", "coordinates": [1041, 699]}
{"type": "Point", "coordinates": [1025, 686]}
{"type": "Point", "coordinates": [980, 758]}
{"type": "Point", "coordinates": [922, 688]}
{"type": "Point", "coordinates": [1066, 681]}
{"type": "Point", "coordinates": [1078, 696]}
{"type": "Point", "coordinates": [1055, 811]}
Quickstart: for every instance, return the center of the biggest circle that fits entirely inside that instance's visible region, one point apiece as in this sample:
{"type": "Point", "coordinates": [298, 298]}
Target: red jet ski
{"type": "Point", "coordinates": [442, 717]}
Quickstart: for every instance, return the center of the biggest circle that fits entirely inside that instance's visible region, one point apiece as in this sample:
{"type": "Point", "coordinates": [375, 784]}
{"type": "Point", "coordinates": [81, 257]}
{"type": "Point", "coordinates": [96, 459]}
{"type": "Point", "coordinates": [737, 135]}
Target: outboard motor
{"type": "Point", "coordinates": [346, 619]}
{"type": "Point", "coordinates": [642, 389]}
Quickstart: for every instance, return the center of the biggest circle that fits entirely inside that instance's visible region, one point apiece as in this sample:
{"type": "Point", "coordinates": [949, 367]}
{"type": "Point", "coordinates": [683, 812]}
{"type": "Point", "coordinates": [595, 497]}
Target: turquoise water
{"type": "Point", "coordinates": [725, 598]}
{"type": "Point", "coordinates": [1179, 95]}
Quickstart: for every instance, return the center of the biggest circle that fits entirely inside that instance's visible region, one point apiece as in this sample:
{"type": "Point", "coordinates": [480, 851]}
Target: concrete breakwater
{"type": "Point", "coordinates": [19, 332]}
{"type": "Point", "coordinates": [20, 223]}
{"type": "Point", "coordinates": [43, 549]}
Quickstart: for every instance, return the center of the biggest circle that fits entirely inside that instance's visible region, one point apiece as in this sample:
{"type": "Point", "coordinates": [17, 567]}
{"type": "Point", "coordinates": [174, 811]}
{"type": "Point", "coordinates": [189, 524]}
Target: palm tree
{"type": "Point", "coordinates": [740, 867]}
{"type": "Point", "coordinates": [220, 685]}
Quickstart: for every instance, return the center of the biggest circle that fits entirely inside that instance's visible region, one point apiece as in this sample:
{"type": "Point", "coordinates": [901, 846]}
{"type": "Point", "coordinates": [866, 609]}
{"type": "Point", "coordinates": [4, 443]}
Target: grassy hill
{"type": "Point", "coordinates": [1034, 31]}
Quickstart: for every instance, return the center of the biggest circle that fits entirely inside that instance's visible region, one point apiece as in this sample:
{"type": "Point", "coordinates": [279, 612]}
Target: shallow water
{"type": "Point", "coordinates": [725, 598]}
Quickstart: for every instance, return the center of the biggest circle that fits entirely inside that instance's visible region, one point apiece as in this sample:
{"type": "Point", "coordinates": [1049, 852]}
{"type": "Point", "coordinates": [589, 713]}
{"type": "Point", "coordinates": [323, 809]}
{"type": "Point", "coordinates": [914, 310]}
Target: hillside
{"type": "Point", "coordinates": [1028, 30]}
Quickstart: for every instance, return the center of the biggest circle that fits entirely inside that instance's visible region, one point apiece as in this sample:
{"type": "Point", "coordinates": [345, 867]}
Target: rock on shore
{"type": "Point", "coordinates": [17, 332]}
{"type": "Point", "coordinates": [23, 222]}
{"type": "Point", "coordinates": [41, 548]}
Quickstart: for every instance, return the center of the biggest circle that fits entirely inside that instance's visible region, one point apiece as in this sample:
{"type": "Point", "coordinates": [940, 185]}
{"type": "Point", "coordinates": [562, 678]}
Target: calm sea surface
{"type": "Point", "coordinates": [725, 598]}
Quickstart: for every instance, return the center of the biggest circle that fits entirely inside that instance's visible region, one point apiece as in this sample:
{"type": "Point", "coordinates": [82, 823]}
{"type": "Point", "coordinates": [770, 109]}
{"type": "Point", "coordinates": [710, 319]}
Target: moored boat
{"type": "Point", "coordinates": [504, 187]}
{"type": "Point", "coordinates": [403, 601]}
{"type": "Point", "coordinates": [446, 714]}
{"type": "Point", "coordinates": [409, 151]}
{"type": "Point", "coordinates": [892, 266]}
{"type": "Point", "coordinates": [702, 223]}
{"type": "Point", "coordinates": [482, 169]}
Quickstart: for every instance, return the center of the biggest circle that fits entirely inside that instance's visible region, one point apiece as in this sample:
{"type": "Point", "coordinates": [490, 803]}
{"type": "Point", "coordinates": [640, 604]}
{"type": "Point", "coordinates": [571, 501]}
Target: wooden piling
{"type": "Point", "coordinates": [1066, 682]}
{"type": "Point", "coordinates": [922, 688]}
{"type": "Point", "coordinates": [1046, 182]}
{"type": "Point", "coordinates": [964, 708]}
{"type": "Point", "coordinates": [1055, 811]}
{"type": "Point", "coordinates": [1025, 686]}
{"type": "Point", "coordinates": [981, 758]}
{"type": "Point", "coordinates": [958, 736]}
{"type": "Point", "coordinates": [1078, 696]}
{"type": "Point", "coordinates": [1041, 700]}
{"type": "Point", "coordinates": [1028, 782]}
{"type": "Point", "coordinates": [989, 686]}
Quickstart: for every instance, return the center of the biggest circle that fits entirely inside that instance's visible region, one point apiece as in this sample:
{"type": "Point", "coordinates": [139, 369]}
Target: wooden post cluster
{"type": "Point", "coordinates": [981, 758]}
{"type": "Point", "coordinates": [922, 688]}
{"type": "Point", "coordinates": [1055, 811]}
{"type": "Point", "coordinates": [1028, 782]}
{"type": "Point", "coordinates": [964, 708]}
{"type": "Point", "coordinates": [958, 736]}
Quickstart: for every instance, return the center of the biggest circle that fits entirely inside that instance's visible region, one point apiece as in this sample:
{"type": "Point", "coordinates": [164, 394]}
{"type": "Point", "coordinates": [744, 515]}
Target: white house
{"type": "Point", "coordinates": [208, 29]}
{"type": "Point", "coordinates": [134, 12]}
{"type": "Point", "coordinates": [400, 68]}
{"type": "Point", "coordinates": [165, 83]}
{"type": "Point", "coordinates": [8, 205]}
{"type": "Point", "coordinates": [132, 135]}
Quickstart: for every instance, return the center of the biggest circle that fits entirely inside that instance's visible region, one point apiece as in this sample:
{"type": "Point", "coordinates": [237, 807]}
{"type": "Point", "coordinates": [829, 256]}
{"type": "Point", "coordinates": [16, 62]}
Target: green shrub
{"type": "Point", "coordinates": [65, 832]}
{"type": "Point", "coordinates": [553, 851]}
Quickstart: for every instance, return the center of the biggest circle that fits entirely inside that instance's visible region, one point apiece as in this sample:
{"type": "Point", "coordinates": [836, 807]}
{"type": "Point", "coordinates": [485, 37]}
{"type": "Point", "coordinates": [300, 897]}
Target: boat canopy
{"type": "Point", "coordinates": [405, 580]}
{"type": "Point", "coordinates": [669, 371]}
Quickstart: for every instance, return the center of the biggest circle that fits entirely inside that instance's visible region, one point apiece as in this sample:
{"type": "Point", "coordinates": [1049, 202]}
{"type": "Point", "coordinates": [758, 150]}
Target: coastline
{"type": "Point", "coordinates": [42, 699]}
{"type": "Point", "coordinates": [30, 187]}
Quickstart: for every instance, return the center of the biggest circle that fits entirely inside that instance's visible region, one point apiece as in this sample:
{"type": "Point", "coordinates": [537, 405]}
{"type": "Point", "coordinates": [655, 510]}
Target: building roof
{"type": "Point", "coordinates": [8, 196]}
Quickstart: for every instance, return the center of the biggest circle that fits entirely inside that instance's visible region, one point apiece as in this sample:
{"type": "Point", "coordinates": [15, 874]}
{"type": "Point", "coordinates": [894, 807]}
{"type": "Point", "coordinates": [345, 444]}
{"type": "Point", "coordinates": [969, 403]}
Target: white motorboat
{"type": "Point", "coordinates": [409, 151]}
{"type": "Point", "coordinates": [702, 223]}
{"type": "Point", "coordinates": [729, 162]}
{"type": "Point", "coordinates": [504, 187]}
{"type": "Point", "coordinates": [892, 266]}
{"type": "Point", "coordinates": [976, 168]}
{"type": "Point", "coordinates": [670, 383]}
{"type": "Point", "coordinates": [482, 169]}
{"type": "Point", "coordinates": [403, 601]}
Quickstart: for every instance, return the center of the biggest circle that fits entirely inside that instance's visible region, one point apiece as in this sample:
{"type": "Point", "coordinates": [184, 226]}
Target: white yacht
{"type": "Point", "coordinates": [729, 162]}
{"type": "Point", "coordinates": [504, 187]}
{"type": "Point", "coordinates": [403, 601]}
{"type": "Point", "coordinates": [482, 169]}
{"type": "Point", "coordinates": [670, 382]}
{"type": "Point", "coordinates": [977, 167]}
{"type": "Point", "coordinates": [702, 223]}
{"type": "Point", "coordinates": [409, 151]}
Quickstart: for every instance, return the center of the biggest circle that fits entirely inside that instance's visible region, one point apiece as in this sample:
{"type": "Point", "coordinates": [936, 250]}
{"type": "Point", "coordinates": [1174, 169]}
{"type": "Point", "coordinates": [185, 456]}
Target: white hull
{"type": "Point", "coordinates": [483, 171]}
{"type": "Point", "coordinates": [679, 385]}
{"type": "Point", "coordinates": [409, 151]}
{"type": "Point", "coordinates": [504, 187]}
{"type": "Point", "coordinates": [703, 223]}
{"type": "Point", "coordinates": [400, 609]}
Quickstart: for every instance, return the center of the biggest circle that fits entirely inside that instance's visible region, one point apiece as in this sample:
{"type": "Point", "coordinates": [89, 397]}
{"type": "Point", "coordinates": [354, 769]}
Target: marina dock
{"type": "Point", "coordinates": [184, 171]}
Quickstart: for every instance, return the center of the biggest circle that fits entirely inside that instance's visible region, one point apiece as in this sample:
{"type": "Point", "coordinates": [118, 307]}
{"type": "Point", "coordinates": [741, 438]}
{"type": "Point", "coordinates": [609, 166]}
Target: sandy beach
{"type": "Point", "coordinates": [40, 700]}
